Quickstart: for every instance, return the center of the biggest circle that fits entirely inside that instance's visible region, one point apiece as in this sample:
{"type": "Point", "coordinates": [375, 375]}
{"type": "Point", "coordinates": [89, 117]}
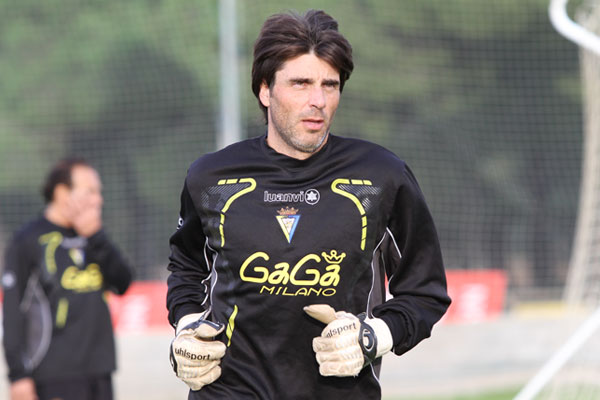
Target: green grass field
{"type": "Point", "coordinates": [508, 394]}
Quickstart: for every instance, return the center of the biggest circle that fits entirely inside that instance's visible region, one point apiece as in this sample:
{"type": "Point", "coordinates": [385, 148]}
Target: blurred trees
{"type": "Point", "coordinates": [118, 83]}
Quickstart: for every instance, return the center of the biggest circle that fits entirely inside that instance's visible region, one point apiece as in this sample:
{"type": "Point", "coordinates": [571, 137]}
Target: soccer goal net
{"type": "Point", "coordinates": [573, 372]}
{"type": "Point", "coordinates": [583, 284]}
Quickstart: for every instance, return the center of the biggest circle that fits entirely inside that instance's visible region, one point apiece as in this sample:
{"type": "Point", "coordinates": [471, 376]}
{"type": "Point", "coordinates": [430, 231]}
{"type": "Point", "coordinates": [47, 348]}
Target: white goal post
{"type": "Point", "coordinates": [583, 285]}
{"type": "Point", "coordinates": [570, 29]}
{"type": "Point", "coordinates": [552, 366]}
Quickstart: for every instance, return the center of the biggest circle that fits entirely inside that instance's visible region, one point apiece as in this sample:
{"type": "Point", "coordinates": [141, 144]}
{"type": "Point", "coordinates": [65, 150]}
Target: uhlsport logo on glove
{"type": "Point", "coordinates": [367, 340]}
{"type": "Point", "coordinates": [349, 342]}
{"type": "Point", "coordinates": [191, 356]}
{"type": "Point", "coordinates": [195, 352]}
{"type": "Point", "coordinates": [341, 330]}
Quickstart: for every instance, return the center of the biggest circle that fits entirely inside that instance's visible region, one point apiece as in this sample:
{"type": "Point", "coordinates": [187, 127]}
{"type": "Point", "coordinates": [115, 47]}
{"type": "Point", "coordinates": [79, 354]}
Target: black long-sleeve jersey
{"type": "Point", "coordinates": [261, 235]}
{"type": "Point", "coordinates": [56, 321]}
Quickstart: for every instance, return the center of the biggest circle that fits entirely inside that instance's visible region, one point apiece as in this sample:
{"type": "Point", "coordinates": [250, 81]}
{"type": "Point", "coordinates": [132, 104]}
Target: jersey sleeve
{"type": "Point", "coordinates": [187, 284]}
{"type": "Point", "coordinates": [17, 270]}
{"type": "Point", "coordinates": [414, 267]}
{"type": "Point", "coordinates": [116, 271]}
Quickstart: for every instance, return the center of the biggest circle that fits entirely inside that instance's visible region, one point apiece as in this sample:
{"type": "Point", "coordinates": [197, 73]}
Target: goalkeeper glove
{"type": "Point", "coordinates": [348, 343]}
{"type": "Point", "coordinates": [195, 354]}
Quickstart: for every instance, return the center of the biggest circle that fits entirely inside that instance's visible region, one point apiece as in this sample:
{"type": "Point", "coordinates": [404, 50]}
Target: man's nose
{"type": "Point", "coordinates": [317, 97]}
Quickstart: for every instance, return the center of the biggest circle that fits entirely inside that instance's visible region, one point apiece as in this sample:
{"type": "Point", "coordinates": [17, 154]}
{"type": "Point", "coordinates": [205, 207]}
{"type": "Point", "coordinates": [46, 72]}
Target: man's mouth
{"type": "Point", "coordinates": [313, 123]}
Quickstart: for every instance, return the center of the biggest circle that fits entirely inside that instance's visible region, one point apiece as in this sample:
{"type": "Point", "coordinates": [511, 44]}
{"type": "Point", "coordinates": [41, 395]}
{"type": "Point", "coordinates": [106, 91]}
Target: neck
{"type": "Point", "coordinates": [54, 214]}
{"type": "Point", "coordinates": [279, 145]}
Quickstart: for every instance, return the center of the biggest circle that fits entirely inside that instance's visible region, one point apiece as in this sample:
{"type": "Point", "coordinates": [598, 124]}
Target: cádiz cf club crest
{"type": "Point", "coordinates": [288, 221]}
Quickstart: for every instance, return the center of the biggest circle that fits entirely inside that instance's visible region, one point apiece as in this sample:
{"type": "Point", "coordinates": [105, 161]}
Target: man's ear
{"type": "Point", "coordinates": [264, 94]}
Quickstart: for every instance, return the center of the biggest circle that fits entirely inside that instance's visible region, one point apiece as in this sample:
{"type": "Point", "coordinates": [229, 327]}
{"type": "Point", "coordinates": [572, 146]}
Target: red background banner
{"type": "Point", "coordinates": [477, 295]}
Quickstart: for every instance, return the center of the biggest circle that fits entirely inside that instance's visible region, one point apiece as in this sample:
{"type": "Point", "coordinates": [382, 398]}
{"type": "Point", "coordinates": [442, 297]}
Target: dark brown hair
{"type": "Point", "coordinates": [288, 35]}
{"type": "Point", "coordinates": [61, 174]}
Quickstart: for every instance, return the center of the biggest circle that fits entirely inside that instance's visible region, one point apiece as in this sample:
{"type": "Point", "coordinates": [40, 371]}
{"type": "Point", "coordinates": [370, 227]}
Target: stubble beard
{"type": "Point", "coordinates": [288, 133]}
{"type": "Point", "coordinates": [309, 148]}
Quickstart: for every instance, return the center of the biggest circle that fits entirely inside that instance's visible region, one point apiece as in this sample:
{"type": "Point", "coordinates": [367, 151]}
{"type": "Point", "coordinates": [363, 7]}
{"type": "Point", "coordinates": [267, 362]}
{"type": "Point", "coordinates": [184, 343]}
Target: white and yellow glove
{"type": "Point", "coordinates": [349, 342]}
{"type": "Point", "coordinates": [195, 354]}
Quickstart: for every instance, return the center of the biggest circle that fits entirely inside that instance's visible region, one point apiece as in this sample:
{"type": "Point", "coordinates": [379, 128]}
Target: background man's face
{"type": "Point", "coordinates": [86, 187]}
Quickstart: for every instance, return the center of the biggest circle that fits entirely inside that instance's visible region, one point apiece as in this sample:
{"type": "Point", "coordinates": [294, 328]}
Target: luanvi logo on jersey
{"type": "Point", "coordinates": [288, 221]}
{"type": "Point", "coordinates": [311, 275]}
{"type": "Point", "coordinates": [311, 197]}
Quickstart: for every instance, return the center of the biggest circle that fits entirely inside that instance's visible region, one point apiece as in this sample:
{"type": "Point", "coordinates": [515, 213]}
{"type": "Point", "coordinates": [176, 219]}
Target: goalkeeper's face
{"type": "Point", "coordinates": [301, 103]}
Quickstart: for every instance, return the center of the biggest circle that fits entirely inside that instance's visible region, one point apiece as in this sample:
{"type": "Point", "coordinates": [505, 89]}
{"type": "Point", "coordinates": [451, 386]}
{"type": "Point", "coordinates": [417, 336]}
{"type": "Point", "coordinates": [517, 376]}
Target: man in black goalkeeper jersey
{"type": "Point", "coordinates": [285, 241]}
{"type": "Point", "coordinates": [58, 339]}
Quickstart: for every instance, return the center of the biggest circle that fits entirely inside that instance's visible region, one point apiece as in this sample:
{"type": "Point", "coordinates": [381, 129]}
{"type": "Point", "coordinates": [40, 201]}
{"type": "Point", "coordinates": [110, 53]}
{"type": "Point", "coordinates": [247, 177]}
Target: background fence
{"type": "Point", "coordinates": [482, 99]}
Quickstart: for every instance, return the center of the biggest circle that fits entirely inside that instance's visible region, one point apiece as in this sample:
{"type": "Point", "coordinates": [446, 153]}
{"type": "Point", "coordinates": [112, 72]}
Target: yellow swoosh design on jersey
{"type": "Point", "coordinates": [52, 240]}
{"type": "Point", "coordinates": [361, 209]}
{"type": "Point", "coordinates": [252, 185]}
{"type": "Point", "coordinates": [61, 312]}
{"type": "Point", "coordinates": [231, 325]}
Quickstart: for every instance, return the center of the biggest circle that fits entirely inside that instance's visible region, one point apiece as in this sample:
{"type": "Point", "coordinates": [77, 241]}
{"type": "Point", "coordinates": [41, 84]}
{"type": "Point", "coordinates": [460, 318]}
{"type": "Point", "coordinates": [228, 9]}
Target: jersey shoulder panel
{"type": "Point", "coordinates": [375, 153]}
{"type": "Point", "coordinates": [27, 235]}
{"type": "Point", "coordinates": [368, 156]}
{"type": "Point", "coordinates": [235, 154]}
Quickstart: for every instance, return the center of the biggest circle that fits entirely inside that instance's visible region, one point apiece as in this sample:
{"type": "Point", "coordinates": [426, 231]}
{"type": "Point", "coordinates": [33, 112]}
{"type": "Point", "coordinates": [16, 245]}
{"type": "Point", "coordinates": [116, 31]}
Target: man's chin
{"type": "Point", "coordinates": [312, 146]}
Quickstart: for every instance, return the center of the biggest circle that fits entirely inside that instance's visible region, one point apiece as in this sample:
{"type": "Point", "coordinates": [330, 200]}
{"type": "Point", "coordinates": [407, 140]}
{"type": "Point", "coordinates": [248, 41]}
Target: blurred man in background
{"type": "Point", "coordinates": [58, 338]}
{"type": "Point", "coordinates": [278, 267]}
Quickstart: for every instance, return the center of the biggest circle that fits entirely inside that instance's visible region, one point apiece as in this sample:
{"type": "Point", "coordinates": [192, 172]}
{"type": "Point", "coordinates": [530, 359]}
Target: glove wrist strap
{"type": "Point", "coordinates": [186, 320]}
{"type": "Point", "coordinates": [375, 338]}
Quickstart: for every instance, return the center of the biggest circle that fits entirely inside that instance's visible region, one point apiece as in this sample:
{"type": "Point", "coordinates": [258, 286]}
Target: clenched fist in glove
{"type": "Point", "coordinates": [348, 343]}
{"type": "Point", "coordinates": [195, 354]}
